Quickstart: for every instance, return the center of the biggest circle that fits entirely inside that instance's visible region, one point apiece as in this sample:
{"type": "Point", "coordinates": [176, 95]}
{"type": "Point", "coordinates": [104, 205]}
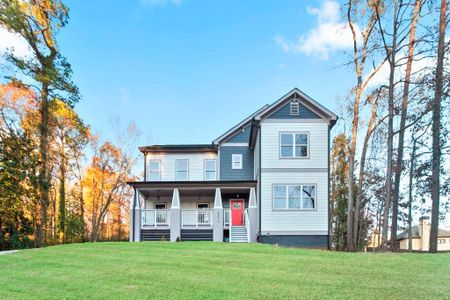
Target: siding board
{"type": "Point", "coordinates": [227, 173]}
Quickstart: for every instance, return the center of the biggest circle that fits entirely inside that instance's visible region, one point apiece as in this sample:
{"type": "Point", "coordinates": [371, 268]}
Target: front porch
{"type": "Point", "coordinates": [186, 211]}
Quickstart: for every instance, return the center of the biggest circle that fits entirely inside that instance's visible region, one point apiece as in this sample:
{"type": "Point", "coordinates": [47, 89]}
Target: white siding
{"type": "Point", "coordinates": [168, 164]}
{"type": "Point", "coordinates": [294, 220]}
{"type": "Point", "coordinates": [270, 144]}
{"type": "Point", "coordinates": [276, 170]}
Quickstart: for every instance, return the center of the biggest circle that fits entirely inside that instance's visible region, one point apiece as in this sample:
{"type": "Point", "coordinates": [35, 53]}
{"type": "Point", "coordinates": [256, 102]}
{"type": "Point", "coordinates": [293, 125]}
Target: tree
{"type": "Point", "coordinates": [46, 71]}
{"type": "Point", "coordinates": [339, 192]}
{"type": "Point", "coordinates": [361, 52]}
{"type": "Point", "coordinates": [436, 154]}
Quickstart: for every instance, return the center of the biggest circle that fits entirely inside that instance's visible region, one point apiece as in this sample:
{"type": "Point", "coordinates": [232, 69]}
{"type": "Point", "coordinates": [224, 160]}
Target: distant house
{"type": "Point", "coordinates": [421, 237]}
{"type": "Point", "coordinates": [266, 179]}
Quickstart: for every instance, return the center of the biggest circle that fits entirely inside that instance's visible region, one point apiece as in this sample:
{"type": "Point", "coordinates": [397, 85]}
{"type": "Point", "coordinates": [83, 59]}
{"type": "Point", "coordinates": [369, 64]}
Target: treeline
{"type": "Point", "coordinates": [390, 161]}
{"type": "Point", "coordinates": [51, 190]}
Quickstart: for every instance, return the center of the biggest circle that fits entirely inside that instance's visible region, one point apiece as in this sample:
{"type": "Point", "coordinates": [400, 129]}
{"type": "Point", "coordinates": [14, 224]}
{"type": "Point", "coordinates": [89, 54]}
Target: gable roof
{"type": "Point", "coordinates": [303, 99]}
{"type": "Point", "coordinates": [267, 110]}
{"type": "Point", "coordinates": [241, 124]}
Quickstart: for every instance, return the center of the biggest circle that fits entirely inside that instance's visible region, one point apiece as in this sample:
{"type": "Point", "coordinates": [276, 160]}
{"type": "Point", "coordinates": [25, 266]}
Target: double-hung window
{"type": "Point", "coordinates": [154, 170]}
{"type": "Point", "coordinates": [182, 169]}
{"type": "Point", "coordinates": [294, 196]}
{"type": "Point", "coordinates": [294, 145]}
{"type": "Point", "coordinates": [210, 169]}
{"type": "Point", "coordinates": [236, 161]}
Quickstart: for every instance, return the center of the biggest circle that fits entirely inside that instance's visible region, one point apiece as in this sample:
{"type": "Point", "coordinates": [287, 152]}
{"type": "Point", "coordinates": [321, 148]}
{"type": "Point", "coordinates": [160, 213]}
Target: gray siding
{"type": "Point", "coordinates": [226, 172]}
{"type": "Point", "coordinates": [304, 241]}
{"type": "Point", "coordinates": [243, 136]}
{"type": "Point", "coordinates": [285, 113]}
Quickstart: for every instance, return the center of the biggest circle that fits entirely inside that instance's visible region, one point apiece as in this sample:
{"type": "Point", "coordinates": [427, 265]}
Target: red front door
{"type": "Point", "coordinates": [237, 212]}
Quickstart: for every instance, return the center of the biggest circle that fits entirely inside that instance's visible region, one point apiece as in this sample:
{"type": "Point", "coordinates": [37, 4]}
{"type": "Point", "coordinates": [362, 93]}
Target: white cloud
{"type": "Point", "coordinates": [162, 2]}
{"type": "Point", "coordinates": [13, 42]}
{"type": "Point", "coordinates": [330, 33]}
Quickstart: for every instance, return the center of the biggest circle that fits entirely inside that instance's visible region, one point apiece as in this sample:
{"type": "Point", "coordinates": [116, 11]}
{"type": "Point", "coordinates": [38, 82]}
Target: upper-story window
{"type": "Point", "coordinates": [182, 169]}
{"type": "Point", "coordinates": [236, 161]}
{"type": "Point", "coordinates": [294, 196]}
{"type": "Point", "coordinates": [210, 169]}
{"type": "Point", "coordinates": [295, 108]}
{"type": "Point", "coordinates": [154, 170]}
{"type": "Point", "coordinates": [294, 145]}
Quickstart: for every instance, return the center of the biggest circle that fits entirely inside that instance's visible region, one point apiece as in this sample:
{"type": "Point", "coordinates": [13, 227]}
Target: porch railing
{"type": "Point", "coordinates": [155, 217]}
{"type": "Point", "coordinates": [196, 217]}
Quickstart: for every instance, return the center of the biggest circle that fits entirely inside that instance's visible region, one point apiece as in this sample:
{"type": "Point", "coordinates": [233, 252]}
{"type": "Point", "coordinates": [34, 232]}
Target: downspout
{"type": "Point", "coordinates": [133, 214]}
{"type": "Point", "coordinates": [259, 186]}
{"type": "Point", "coordinates": [329, 191]}
{"type": "Point", "coordinates": [145, 166]}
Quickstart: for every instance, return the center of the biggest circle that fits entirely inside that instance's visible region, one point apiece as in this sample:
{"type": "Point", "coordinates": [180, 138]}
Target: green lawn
{"type": "Point", "coordinates": [211, 270]}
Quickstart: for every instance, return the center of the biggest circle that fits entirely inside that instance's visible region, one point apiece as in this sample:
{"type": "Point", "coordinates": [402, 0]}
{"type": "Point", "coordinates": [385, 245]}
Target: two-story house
{"type": "Point", "coordinates": [266, 180]}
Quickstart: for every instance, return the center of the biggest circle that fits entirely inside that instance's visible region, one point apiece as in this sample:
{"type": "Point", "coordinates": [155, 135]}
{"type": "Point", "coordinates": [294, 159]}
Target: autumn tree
{"type": "Point", "coordinates": [45, 71]}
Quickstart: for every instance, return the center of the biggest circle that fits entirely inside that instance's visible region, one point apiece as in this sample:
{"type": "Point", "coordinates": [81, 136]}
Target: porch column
{"type": "Point", "coordinates": [137, 216]}
{"type": "Point", "coordinates": [217, 218]}
{"type": "Point", "coordinates": [253, 216]}
{"type": "Point", "coordinates": [175, 217]}
{"type": "Point", "coordinates": [132, 200]}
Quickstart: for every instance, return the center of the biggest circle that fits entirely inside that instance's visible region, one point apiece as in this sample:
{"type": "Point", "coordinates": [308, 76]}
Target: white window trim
{"type": "Point", "coordinates": [233, 156]}
{"type": "Point", "coordinates": [150, 169]}
{"type": "Point", "coordinates": [176, 170]}
{"type": "Point", "coordinates": [292, 113]}
{"type": "Point", "coordinates": [293, 145]}
{"type": "Point", "coordinates": [204, 169]}
{"type": "Point", "coordinates": [301, 197]}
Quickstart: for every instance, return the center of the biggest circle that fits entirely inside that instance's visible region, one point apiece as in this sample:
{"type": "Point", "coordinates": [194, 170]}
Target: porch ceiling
{"type": "Point", "coordinates": [191, 188]}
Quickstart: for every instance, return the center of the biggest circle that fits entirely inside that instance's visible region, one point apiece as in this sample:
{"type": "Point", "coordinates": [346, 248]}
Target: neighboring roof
{"type": "Point", "coordinates": [415, 233]}
{"type": "Point", "coordinates": [186, 148]}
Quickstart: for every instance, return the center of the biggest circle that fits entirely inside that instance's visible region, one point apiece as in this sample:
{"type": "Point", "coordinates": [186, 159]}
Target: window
{"type": "Point", "coordinates": [294, 145]}
{"type": "Point", "coordinates": [154, 170]}
{"type": "Point", "coordinates": [210, 169]}
{"type": "Point", "coordinates": [294, 197]}
{"type": "Point", "coordinates": [202, 205]}
{"type": "Point", "coordinates": [295, 108]}
{"type": "Point", "coordinates": [182, 169]}
{"type": "Point", "coordinates": [441, 241]}
{"type": "Point", "coordinates": [160, 205]}
{"type": "Point", "coordinates": [236, 161]}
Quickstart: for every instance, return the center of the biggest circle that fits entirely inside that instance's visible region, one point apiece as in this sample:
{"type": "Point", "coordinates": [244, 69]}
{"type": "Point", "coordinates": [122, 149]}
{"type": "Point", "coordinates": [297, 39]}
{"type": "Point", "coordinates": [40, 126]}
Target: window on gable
{"type": "Point", "coordinates": [182, 169]}
{"type": "Point", "coordinates": [154, 170]}
{"type": "Point", "coordinates": [295, 108]}
{"type": "Point", "coordinates": [236, 161]}
{"type": "Point", "coordinates": [294, 197]}
{"type": "Point", "coordinates": [294, 145]}
{"type": "Point", "coordinates": [210, 169]}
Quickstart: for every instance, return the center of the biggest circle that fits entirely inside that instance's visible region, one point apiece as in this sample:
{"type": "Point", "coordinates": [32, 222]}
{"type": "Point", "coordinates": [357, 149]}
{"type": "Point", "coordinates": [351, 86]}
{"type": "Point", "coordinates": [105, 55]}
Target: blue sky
{"type": "Point", "coordinates": [186, 71]}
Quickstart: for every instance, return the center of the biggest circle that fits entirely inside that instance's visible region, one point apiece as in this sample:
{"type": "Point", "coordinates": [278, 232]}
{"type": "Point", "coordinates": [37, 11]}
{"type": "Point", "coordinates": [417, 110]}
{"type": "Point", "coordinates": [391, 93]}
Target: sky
{"type": "Point", "coordinates": [185, 71]}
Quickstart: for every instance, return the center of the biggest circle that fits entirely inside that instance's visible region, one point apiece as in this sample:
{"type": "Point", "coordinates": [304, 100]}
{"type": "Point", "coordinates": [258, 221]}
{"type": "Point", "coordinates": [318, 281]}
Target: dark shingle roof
{"type": "Point", "coordinates": [179, 148]}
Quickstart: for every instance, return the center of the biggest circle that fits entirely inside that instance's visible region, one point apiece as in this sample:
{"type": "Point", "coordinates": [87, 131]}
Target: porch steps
{"type": "Point", "coordinates": [155, 234]}
{"type": "Point", "coordinates": [196, 234]}
{"type": "Point", "coordinates": [238, 234]}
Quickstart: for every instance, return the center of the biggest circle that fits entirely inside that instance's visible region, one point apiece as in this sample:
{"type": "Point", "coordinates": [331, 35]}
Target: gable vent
{"type": "Point", "coordinates": [295, 108]}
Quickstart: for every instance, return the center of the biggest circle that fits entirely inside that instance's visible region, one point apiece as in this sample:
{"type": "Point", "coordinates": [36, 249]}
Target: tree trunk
{"type": "Point", "coordinates": [399, 164]}
{"type": "Point", "coordinates": [436, 156]}
{"type": "Point", "coordinates": [62, 199]}
{"type": "Point", "coordinates": [359, 188]}
{"type": "Point", "coordinates": [44, 182]}
{"type": "Point", "coordinates": [390, 53]}
{"type": "Point", "coordinates": [410, 197]}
